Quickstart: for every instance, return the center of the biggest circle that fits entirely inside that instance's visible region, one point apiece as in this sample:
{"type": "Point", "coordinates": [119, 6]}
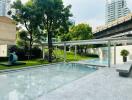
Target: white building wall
{"type": "Point", "coordinates": [118, 51]}
{"type": "Point", "coordinates": [3, 50]}
{"type": "Point", "coordinates": [7, 35]}
{"type": "Point", "coordinates": [103, 53]}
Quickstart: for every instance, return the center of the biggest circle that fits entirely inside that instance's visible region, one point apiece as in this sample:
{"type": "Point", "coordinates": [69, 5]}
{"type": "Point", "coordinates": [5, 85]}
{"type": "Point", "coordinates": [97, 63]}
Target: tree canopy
{"type": "Point", "coordinates": [53, 16]}
{"type": "Point", "coordinates": [41, 17]}
{"type": "Point", "coordinates": [48, 18]}
{"type": "Point", "coordinates": [78, 32]}
{"type": "Point", "coordinates": [26, 15]}
{"type": "Point", "coordinates": [81, 32]}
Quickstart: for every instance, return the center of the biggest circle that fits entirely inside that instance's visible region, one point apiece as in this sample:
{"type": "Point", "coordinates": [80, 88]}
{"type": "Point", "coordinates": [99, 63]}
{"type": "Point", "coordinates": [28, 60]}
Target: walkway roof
{"type": "Point", "coordinates": [94, 41]}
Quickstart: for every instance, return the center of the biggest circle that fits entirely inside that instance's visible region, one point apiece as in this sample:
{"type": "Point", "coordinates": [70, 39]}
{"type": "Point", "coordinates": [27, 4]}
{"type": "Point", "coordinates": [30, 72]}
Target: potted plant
{"type": "Point", "coordinates": [124, 53]}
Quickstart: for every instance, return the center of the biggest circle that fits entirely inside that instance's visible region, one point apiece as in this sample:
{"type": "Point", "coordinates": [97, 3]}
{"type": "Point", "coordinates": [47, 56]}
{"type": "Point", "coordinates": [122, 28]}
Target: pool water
{"type": "Point", "coordinates": [33, 83]}
{"type": "Point", "coordinates": [97, 62]}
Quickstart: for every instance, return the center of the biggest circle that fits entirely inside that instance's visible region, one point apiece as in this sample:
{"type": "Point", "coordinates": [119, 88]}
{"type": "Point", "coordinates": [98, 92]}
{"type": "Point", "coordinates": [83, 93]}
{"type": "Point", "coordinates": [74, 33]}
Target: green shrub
{"type": "Point", "coordinates": [23, 54]}
{"type": "Point", "coordinates": [36, 52]}
{"type": "Point", "coordinates": [3, 59]}
{"type": "Point", "coordinates": [124, 53]}
{"type": "Point", "coordinates": [20, 52]}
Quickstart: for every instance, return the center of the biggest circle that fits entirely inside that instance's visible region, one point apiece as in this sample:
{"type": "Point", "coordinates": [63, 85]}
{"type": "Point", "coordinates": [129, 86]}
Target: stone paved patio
{"type": "Point", "coordinates": [104, 84]}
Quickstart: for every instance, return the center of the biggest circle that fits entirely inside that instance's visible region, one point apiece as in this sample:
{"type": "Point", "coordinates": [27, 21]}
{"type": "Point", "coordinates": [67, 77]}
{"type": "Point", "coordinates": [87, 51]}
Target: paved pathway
{"type": "Point", "coordinates": [104, 84]}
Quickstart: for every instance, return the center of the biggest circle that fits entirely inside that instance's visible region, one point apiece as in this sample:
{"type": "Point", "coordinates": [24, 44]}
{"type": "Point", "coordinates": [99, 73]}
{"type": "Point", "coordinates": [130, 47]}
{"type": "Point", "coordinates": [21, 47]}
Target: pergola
{"type": "Point", "coordinates": [107, 41]}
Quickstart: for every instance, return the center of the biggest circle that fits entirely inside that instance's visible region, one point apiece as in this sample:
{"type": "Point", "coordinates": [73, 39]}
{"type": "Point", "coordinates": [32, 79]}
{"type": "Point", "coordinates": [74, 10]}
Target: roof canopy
{"type": "Point", "coordinates": [94, 41]}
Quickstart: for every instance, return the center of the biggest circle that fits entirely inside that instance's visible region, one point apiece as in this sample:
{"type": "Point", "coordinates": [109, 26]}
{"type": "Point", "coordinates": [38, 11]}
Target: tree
{"type": "Point", "coordinates": [54, 16]}
{"type": "Point", "coordinates": [66, 37]}
{"type": "Point", "coordinates": [81, 32]}
{"type": "Point", "coordinates": [22, 39]}
{"type": "Point", "coordinates": [64, 34]}
{"type": "Point", "coordinates": [26, 15]}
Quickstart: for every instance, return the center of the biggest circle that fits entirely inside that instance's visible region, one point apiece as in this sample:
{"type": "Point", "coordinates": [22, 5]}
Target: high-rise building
{"type": "Point", "coordinates": [4, 7]}
{"type": "Point", "coordinates": [116, 9]}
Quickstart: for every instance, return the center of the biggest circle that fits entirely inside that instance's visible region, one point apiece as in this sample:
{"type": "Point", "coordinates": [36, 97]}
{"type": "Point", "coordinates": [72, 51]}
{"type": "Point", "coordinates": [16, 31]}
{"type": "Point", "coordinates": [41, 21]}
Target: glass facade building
{"type": "Point", "coordinates": [116, 9]}
{"type": "Point", "coordinates": [4, 7]}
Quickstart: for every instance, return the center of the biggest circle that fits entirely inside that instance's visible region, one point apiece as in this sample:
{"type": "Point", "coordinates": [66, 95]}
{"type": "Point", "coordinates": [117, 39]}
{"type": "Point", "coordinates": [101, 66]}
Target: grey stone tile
{"type": "Point", "coordinates": [104, 84]}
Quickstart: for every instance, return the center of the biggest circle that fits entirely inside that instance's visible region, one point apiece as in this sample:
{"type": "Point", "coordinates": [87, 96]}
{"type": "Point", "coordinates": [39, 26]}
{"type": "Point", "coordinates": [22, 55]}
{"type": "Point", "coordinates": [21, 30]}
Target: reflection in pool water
{"type": "Point", "coordinates": [97, 62]}
{"type": "Point", "coordinates": [32, 83]}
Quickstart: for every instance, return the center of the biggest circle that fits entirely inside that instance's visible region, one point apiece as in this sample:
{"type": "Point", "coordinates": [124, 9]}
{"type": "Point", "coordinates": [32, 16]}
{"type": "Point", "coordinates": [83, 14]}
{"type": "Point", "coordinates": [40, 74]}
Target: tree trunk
{"type": "Point", "coordinates": [86, 50]}
{"type": "Point", "coordinates": [78, 49]}
{"type": "Point", "coordinates": [30, 47]}
{"type": "Point", "coordinates": [25, 46]}
{"type": "Point", "coordinates": [81, 50]}
{"type": "Point", "coordinates": [50, 46]}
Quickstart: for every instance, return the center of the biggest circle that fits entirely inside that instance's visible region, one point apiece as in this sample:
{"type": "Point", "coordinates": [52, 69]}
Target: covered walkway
{"type": "Point", "coordinates": [110, 42]}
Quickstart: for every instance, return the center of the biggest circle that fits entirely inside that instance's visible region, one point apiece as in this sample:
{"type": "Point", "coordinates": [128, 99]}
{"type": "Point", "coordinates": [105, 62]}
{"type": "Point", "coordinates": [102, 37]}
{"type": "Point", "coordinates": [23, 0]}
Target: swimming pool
{"type": "Point", "coordinates": [97, 62]}
{"type": "Point", "coordinates": [33, 83]}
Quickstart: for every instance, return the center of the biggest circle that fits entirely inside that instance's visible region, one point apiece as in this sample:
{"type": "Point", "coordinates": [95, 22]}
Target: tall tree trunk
{"type": "Point", "coordinates": [30, 47]}
{"type": "Point", "coordinates": [81, 49]}
{"type": "Point", "coordinates": [25, 46]}
{"type": "Point", "coordinates": [50, 46]}
{"type": "Point", "coordinates": [86, 50]}
{"type": "Point", "coordinates": [78, 49]}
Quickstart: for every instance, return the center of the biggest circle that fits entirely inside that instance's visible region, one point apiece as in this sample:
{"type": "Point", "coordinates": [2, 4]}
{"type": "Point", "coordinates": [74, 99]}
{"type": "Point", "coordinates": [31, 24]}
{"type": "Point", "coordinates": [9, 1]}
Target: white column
{"type": "Point", "coordinates": [115, 53]}
{"type": "Point", "coordinates": [64, 52]}
{"type": "Point", "coordinates": [75, 57]}
{"type": "Point", "coordinates": [109, 54]}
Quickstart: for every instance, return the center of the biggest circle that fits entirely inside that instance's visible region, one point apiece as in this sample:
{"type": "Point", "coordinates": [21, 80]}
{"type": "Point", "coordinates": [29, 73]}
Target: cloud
{"type": "Point", "coordinates": [94, 22]}
{"type": "Point", "coordinates": [88, 11]}
{"type": "Point", "coordinates": [129, 3]}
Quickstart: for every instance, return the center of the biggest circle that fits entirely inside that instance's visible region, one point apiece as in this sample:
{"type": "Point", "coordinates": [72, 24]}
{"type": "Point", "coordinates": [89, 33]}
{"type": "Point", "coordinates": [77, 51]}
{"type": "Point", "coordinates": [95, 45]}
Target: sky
{"type": "Point", "coordinates": [91, 12]}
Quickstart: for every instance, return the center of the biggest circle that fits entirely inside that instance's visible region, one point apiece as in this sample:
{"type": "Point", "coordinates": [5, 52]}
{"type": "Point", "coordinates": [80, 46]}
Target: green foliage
{"type": "Point", "coordinates": [40, 17]}
{"type": "Point", "coordinates": [66, 37]}
{"type": "Point", "coordinates": [78, 32]}
{"type": "Point", "coordinates": [53, 16]}
{"type": "Point", "coordinates": [29, 63]}
{"type": "Point", "coordinates": [124, 53]}
{"type": "Point", "coordinates": [22, 55]}
{"type": "Point", "coordinates": [19, 43]}
{"type": "Point", "coordinates": [36, 52]}
{"type": "Point", "coordinates": [22, 38]}
{"type": "Point", "coordinates": [22, 42]}
{"type": "Point", "coordinates": [27, 16]}
{"type": "Point", "coordinates": [20, 52]}
{"type": "Point", "coordinates": [81, 32]}
{"type": "Point", "coordinates": [71, 55]}
{"type": "Point", "coordinates": [23, 35]}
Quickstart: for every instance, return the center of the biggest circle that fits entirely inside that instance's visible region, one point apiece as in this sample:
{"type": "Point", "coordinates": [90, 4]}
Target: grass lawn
{"type": "Point", "coordinates": [29, 63]}
{"type": "Point", "coordinates": [70, 56]}
{"type": "Point", "coordinates": [58, 53]}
